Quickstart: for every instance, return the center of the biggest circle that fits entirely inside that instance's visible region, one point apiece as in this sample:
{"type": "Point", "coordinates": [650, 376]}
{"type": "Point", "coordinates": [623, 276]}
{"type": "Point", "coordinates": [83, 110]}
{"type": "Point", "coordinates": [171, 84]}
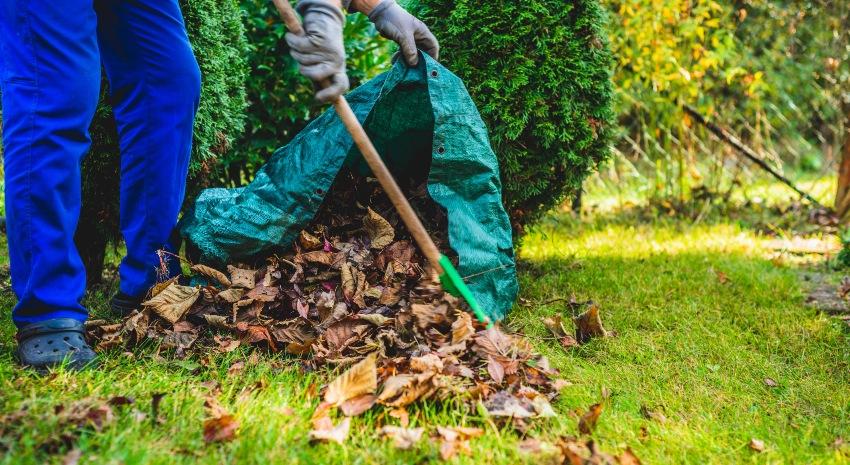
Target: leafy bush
{"type": "Point", "coordinates": [281, 100]}
{"type": "Point", "coordinates": [218, 39]}
{"type": "Point", "coordinates": [539, 71]}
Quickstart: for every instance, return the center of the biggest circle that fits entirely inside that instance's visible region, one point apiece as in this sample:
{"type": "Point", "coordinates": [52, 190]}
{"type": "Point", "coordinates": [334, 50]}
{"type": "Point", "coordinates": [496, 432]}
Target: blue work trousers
{"type": "Point", "coordinates": [51, 52]}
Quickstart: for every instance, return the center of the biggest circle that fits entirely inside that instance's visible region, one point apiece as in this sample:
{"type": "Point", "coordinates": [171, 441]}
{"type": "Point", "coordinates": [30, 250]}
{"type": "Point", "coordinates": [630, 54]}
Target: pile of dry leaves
{"type": "Point", "coordinates": [353, 292]}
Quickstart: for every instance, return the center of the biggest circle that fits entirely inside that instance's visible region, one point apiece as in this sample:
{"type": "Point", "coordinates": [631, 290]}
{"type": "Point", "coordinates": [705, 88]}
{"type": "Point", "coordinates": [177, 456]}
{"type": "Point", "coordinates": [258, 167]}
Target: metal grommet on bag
{"type": "Point", "coordinates": [434, 73]}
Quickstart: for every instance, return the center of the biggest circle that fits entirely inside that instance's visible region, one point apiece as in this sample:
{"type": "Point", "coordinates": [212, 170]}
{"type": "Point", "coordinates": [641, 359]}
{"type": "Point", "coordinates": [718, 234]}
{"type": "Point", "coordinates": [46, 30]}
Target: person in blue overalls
{"type": "Point", "coordinates": [51, 52]}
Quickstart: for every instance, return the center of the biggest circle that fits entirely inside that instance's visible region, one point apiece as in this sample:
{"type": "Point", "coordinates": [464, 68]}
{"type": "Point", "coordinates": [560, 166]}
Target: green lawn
{"type": "Point", "coordinates": [687, 345]}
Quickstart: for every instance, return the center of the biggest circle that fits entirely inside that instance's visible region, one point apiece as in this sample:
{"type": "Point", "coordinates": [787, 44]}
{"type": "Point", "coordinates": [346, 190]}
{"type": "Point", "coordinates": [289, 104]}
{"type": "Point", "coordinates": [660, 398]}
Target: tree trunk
{"type": "Point", "coordinates": [842, 195]}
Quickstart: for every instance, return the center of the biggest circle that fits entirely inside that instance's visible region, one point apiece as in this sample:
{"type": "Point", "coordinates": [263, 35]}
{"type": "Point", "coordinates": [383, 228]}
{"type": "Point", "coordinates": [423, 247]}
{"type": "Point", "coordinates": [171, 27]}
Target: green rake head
{"type": "Point", "coordinates": [453, 284]}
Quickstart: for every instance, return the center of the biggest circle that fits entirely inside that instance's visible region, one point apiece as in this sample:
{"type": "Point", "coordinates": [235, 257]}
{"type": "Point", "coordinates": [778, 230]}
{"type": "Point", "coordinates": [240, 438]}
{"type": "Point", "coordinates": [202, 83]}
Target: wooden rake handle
{"type": "Point", "coordinates": [375, 162]}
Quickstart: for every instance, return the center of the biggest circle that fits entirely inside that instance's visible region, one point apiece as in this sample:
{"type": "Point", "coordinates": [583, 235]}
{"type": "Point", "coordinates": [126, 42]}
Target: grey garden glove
{"type": "Point", "coordinates": [320, 51]}
{"type": "Point", "coordinates": [396, 24]}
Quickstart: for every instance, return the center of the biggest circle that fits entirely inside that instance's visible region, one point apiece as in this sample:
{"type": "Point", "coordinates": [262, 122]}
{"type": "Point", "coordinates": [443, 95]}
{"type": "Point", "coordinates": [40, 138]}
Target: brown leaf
{"type": "Point", "coordinates": [226, 344]}
{"type": "Point", "coordinates": [770, 382]}
{"type": "Point", "coordinates": [357, 405]}
{"type": "Point", "coordinates": [496, 370]}
{"type": "Point", "coordinates": [230, 296]}
{"type": "Point", "coordinates": [757, 445]}
{"type": "Point", "coordinates": [240, 277]}
{"type": "Point", "coordinates": [309, 241]}
{"type": "Point", "coordinates": [358, 380]}
{"type": "Point", "coordinates": [217, 321]}
{"type": "Point", "coordinates": [220, 429]}
{"type": "Point", "coordinates": [628, 457]}
{"type": "Point", "coordinates": [722, 277]}
{"type": "Point", "coordinates": [587, 423]}
{"type": "Point", "coordinates": [403, 438]}
{"type": "Point", "coordinates": [430, 363]}
{"type": "Point", "coordinates": [212, 273]}
{"type": "Point", "coordinates": [159, 287]}
{"type": "Point", "coordinates": [381, 232]}
{"type": "Point", "coordinates": [325, 431]}
{"type": "Point", "coordinates": [331, 259]}
{"type": "Point", "coordinates": [589, 325]}
{"type": "Point", "coordinates": [236, 368]}
{"type": "Point", "coordinates": [173, 302]}
{"type": "Point", "coordinates": [403, 389]}
{"type": "Point", "coordinates": [462, 328]}
{"type": "Point", "coordinates": [504, 404]}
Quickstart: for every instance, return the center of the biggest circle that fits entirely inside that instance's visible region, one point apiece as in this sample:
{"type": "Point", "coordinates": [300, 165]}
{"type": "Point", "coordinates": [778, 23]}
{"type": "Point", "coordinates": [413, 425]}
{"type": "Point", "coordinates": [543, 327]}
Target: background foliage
{"type": "Point", "coordinates": [281, 101]}
{"type": "Point", "coordinates": [539, 72]}
{"type": "Point", "coordinates": [774, 72]}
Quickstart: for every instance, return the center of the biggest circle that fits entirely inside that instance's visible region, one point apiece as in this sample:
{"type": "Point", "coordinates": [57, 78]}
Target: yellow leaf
{"type": "Point", "coordinates": [173, 302]}
{"type": "Point", "coordinates": [380, 230]}
{"type": "Point", "coordinates": [361, 378]}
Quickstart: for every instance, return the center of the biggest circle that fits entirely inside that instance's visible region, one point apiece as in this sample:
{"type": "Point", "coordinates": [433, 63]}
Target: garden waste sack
{"type": "Point", "coordinates": [421, 120]}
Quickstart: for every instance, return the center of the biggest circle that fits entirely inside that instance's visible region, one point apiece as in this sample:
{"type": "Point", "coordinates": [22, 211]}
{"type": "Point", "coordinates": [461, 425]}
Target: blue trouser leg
{"type": "Point", "coordinates": [50, 63]}
{"type": "Point", "coordinates": [155, 88]}
{"type": "Point", "coordinates": [50, 79]}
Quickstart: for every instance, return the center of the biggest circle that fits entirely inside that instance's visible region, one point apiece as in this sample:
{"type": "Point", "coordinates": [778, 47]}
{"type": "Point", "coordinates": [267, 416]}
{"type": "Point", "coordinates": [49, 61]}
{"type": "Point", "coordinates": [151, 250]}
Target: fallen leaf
{"type": "Point", "coordinates": [628, 457]}
{"type": "Point", "coordinates": [403, 438]}
{"type": "Point", "coordinates": [589, 325]}
{"type": "Point", "coordinates": [381, 232]}
{"type": "Point", "coordinates": [358, 405]}
{"type": "Point", "coordinates": [462, 328]}
{"type": "Point", "coordinates": [757, 445]}
{"type": "Point", "coordinates": [360, 379]}
{"type": "Point", "coordinates": [587, 422]}
{"type": "Point", "coordinates": [240, 277]}
{"type": "Point", "coordinates": [770, 382]}
{"type": "Point", "coordinates": [325, 431]}
{"type": "Point", "coordinates": [173, 302]}
{"type": "Point", "coordinates": [220, 429]}
{"type": "Point", "coordinates": [496, 370]}
{"type": "Point", "coordinates": [309, 241]}
{"type": "Point", "coordinates": [212, 273]}
{"type": "Point", "coordinates": [722, 277]}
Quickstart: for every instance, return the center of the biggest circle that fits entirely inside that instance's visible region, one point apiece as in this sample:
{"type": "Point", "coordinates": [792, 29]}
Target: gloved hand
{"type": "Point", "coordinates": [320, 51]}
{"type": "Point", "coordinates": [395, 23]}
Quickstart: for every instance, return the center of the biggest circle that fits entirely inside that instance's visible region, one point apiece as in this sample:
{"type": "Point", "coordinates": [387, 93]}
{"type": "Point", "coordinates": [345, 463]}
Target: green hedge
{"type": "Point", "coordinates": [539, 71]}
{"type": "Point", "coordinates": [218, 39]}
{"type": "Point", "coordinates": [281, 100]}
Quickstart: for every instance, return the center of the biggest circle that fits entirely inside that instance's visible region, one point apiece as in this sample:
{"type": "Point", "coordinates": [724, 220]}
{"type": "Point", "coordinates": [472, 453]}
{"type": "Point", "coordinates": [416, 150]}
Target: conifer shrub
{"type": "Point", "coordinates": [539, 71]}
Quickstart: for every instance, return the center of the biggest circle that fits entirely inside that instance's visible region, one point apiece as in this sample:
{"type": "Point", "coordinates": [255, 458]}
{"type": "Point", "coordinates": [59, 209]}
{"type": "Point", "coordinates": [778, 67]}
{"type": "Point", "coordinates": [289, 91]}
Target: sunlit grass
{"type": "Point", "coordinates": [687, 345]}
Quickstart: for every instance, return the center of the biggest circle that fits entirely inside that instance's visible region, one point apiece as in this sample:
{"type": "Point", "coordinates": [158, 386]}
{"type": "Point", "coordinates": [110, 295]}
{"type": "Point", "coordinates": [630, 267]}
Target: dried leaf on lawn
{"type": "Point", "coordinates": [325, 431]}
{"type": "Point", "coordinates": [587, 422]}
{"type": "Point", "coordinates": [496, 370]}
{"type": "Point", "coordinates": [589, 324]}
{"type": "Point", "coordinates": [173, 302]}
{"type": "Point", "coordinates": [212, 273]}
{"type": "Point", "coordinates": [403, 438]}
{"type": "Point", "coordinates": [358, 405]}
{"type": "Point", "coordinates": [404, 389]}
{"type": "Point", "coordinates": [220, 429]}
{"type": "Point", "coordinates": [757, 445]}
{"type": "Point", "coordinates": [360, 379]}
{"type": "Point", "coordinates": [628, 457]}
{"type": "Point", "coordinates": [381, 232]}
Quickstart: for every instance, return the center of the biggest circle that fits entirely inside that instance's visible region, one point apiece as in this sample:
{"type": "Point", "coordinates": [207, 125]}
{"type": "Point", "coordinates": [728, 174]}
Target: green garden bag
{"type": "Point", "coordinates": [412, 115]}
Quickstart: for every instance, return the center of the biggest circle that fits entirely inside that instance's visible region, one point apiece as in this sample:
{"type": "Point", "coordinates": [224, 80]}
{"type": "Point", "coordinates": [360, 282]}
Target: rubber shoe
{"type": "Point", "coordinates": [50, 343]}
{"type": "Point", "coordinates": [123, 304]}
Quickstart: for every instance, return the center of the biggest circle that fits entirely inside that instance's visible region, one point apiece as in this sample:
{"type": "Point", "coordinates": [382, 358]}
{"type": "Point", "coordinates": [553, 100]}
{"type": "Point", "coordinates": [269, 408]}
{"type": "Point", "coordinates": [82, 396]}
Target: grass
{"type": "Point", "coordinates": [687, 345]}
